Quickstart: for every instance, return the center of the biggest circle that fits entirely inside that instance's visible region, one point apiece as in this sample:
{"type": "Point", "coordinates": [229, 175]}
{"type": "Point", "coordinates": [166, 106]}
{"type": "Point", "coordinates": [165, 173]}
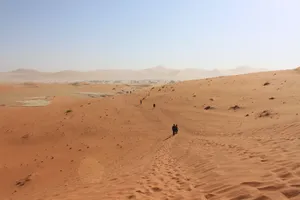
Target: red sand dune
{"type": "Point", "coordinates": [115, 148]}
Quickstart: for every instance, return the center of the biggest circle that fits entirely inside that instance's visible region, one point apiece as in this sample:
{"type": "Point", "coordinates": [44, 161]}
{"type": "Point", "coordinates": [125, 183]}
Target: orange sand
{"type": "Point", "coordinates": [114, 148]}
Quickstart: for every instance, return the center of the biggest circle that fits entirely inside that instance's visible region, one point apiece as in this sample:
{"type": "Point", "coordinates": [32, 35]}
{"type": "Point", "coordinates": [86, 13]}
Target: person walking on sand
{"type": "Point", "coordinates": [174, 129]}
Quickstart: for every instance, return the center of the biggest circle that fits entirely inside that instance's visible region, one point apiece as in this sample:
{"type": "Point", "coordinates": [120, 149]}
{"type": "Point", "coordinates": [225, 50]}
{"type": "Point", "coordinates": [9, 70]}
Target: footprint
{"type": "Point", "coordinates": [262, 197]}
{"type": "Point", "coordinates": [139, 191]}
{"type": "Point", "coordinates": [241, 197]}
{"type": "Point", "coordinates": [225, 189]}
{"type": "Point", "coordinates": [156, 189]}
{"type": "Point", "coordinates": [131, 196]}
{"type": "Point", "coordinates": [285, 175]}
{"type": "Point", "coordinates": [252, 183]}
{"type": "Point", "coordinates": [279, 170]}
{"type": "Point", "coordinates": [295, 166]}
{"type": "Point", "coordinates": [272, 187]}
{"type": "Point", "coordinates": [209, 196]}
{"type": "Point", "coordinates": [291, 192]}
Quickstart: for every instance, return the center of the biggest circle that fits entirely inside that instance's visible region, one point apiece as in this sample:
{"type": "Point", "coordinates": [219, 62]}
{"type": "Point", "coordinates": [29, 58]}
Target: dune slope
{"type": "Point", "coordinates": [238, 139]}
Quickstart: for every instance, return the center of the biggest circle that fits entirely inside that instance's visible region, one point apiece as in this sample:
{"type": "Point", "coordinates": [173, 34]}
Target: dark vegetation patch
{"type": "Point", "coordinates": [235, 107]}
{"type": "Point", "coordinates": [208, 108]}
{"type": "Point", "coordinates": [68, 111]}
{"type": "Point", "coordinates": [23, 181]}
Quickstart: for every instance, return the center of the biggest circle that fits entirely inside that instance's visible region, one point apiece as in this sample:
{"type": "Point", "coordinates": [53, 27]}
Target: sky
{"type": "Point", "coordinates": [53, 35]}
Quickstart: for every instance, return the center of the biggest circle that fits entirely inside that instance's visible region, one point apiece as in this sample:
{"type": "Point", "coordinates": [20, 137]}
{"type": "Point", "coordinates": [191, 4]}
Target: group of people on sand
{"type": "Point", "coordinates": [175, 129]}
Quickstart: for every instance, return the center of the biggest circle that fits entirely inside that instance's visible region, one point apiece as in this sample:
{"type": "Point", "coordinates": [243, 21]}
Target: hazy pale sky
{"type": "Point", "coordinates": [52, 35]}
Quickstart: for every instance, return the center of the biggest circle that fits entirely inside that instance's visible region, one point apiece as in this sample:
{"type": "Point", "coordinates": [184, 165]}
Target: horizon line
{"type": "Point", "coordinates": [129, 69]}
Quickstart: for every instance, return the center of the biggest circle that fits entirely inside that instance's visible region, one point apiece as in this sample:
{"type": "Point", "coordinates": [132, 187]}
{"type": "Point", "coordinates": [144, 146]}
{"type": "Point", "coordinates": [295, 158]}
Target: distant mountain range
{"type": "Point", "coordinates": [155, 73]}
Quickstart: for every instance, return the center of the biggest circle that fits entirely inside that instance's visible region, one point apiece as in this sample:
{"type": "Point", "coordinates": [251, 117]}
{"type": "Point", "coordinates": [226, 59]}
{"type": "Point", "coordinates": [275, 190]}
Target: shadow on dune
{"type": "Point", "coordinates": [168, 137]}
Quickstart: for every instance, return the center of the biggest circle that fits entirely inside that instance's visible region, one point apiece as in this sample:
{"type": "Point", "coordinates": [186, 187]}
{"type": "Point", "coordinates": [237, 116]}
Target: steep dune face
{"type": "Point", "coordinates": [245, 145]}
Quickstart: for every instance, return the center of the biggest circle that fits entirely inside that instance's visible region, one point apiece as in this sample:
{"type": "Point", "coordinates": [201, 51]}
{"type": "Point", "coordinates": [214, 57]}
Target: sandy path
{"type": "Point", "coordinates": [231, 167]}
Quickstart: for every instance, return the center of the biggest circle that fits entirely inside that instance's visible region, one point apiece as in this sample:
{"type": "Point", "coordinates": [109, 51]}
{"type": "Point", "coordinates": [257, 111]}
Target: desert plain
{"type": "Point", "coordinates": [238, 139]}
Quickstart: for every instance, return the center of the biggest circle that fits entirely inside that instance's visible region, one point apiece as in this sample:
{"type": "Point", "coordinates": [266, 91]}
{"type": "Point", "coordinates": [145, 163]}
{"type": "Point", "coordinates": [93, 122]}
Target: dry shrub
{"type": "Point", "coordinates": [68, 111]}
{"type": "Point", "coordinates": [208, 108]}
{"type": "Point", "coordinates": [26, 136]}
{"type": "Point", "coordinates": [236, 107]}
{"type": "Point", "coordinates": [266, 113]}
{"type": "Point", "coordinates": [23, 181]}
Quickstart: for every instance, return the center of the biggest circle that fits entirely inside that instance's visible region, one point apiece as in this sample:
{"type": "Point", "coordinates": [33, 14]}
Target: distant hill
{"type": "Point", "coordinates": [188, 74]}
{"type": "Point", "coordinates": [242, 70]}
{"type": "Point", "coordinates": [24, 71]}
{"type": "Point", "coordinates": [158, 72]}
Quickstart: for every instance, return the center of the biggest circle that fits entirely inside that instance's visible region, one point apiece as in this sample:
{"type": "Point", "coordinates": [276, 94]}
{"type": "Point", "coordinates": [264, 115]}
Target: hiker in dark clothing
{"type": "Point", "coordinates": [174, 129]}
